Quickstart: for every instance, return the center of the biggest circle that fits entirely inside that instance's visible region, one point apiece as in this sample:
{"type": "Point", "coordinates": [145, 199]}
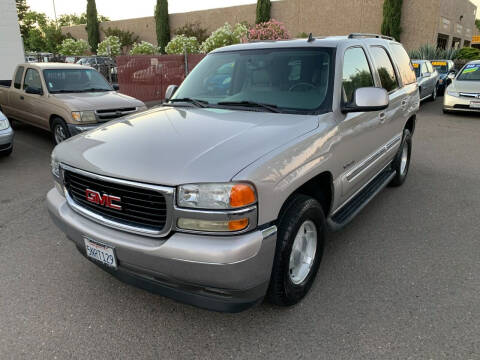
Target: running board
{"type": "Point", "coordinates": [348, 211]}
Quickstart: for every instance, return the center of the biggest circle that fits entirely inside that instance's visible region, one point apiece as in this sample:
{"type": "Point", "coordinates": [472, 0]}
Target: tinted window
{"type": "Point", "coordinates": [32, 79]}
{"type": "Point", "coordinates": [471, 72]}
{"type": "Point", "coordinates": [294, 80]}
{"type": "Point", "coordinates": [441, 66]}
{"type": "Point", "coordinates": [75, 80]}
{"type": "Point", "coordinates": [385, 68]}
{"type": "Point", "coordinates": [18, 78]}
{"type": "Point", "coordinates": [356, 73]}
{"type": "Point", "coordinates": [416, 67]}
{"type": "Point", "coordinates": [404, 65]}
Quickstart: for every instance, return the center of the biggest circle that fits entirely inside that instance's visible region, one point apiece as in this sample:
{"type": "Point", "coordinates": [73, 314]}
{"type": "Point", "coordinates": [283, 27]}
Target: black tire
{"type": "Point", "coordinates": [400, 171]}
{"type": "Point", "coordinates": [282, 290]}
{"type": "Point", "coordinates": [6, 152]}
{"type": "Point", "coordinates": [434, 94]}
{"type": "Point", "coordinates": [58, 124]}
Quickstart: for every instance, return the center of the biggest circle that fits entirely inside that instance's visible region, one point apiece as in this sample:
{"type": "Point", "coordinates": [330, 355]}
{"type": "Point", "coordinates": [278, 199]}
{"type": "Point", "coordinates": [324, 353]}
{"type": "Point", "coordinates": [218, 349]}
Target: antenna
{"type": "Point", "coordinates": [310, 38]}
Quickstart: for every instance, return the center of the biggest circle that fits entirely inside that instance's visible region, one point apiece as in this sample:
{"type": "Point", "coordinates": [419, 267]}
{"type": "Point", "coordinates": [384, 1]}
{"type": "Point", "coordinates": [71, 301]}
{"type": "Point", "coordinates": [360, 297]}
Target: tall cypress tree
{"type": "Point", "coordinates": [263, 11]}
{"type": "Point", "coordinates": [162, 24]}
{"type": "Point", "coordinates": [392, 17]}
{"type": "Point", "coordinates": [92, 25]}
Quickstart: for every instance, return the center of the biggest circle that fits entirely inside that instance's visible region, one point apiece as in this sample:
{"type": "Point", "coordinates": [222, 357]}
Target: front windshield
{"type": "Point", "coordinates": [440, 66]}
{"type": "Point", "coordinates": [298, 80]}
{"type": "Point", "coordinates": [416, 67]}
{"type": "Point", "coordinates": [470, 73]}
{"type": "Point", "coordinates": [75, 81]}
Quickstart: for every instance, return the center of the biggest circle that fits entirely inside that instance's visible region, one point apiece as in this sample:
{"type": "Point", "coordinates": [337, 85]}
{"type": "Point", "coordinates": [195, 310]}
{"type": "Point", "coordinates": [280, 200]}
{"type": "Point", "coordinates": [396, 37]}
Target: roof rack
{"type": "Point", "coordinates": [362, 35]}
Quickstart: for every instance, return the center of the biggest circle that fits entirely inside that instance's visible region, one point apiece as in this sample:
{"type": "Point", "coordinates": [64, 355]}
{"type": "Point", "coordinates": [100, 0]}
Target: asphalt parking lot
{"type": "Point", "coordinates": [401, 281]}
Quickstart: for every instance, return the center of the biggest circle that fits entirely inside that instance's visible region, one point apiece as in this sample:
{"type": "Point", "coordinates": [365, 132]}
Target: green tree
{"type": "Point", "coordinates": [110, 46]}
{"type": "Point", "coordinates": [162, 24]}
{"type": "Point", "coordinates": [477, 24]}
{"type": "Point", "coordinates": [22, 10]}
{"type": "Point", "coordinates": [392, 17]}
{"type": "Point", "coordinates": [263, 11]}
{"type": "Point", "coordinates": [127, 38]}
{"type": "Point", "coordinates": [193, 30]}
{"type": "Point", "coordinates": [70, 47]}
{"type": "Point", "coordinates": [92, 25]}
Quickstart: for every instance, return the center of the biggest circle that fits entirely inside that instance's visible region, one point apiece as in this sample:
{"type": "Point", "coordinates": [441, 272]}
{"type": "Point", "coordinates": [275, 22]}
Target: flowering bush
{"type": "Point", "coordinates": [270, 30]}
{"type": "Point", "coordinates": [223, 36]}
{"type": "Point", "coordinates": [71, 47]}
{"type": "Point", "coordinates": [180, 42]}
{"type": "Point", "coordinates": [110, 46]}
{"type": "Point", "coordinates": [143, 48]}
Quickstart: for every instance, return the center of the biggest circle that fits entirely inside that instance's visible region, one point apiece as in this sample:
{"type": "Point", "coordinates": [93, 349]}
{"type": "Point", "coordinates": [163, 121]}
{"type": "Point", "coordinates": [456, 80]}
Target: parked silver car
{"type": "Point", "coordinates": [463, 94]}
{"type": "Point", "coordinates": [222, 197]}
{"type": "Point", "coordinates": [6, 136]}
{"type": "Point", "coordinates": [427, 78]}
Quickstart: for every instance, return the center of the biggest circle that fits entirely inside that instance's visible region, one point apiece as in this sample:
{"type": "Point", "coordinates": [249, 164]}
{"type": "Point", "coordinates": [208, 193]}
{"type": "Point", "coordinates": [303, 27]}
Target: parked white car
{"type": "Point", "coordinates": [6, 136]}
{"type": "Point", "coordinates": [463, 94]}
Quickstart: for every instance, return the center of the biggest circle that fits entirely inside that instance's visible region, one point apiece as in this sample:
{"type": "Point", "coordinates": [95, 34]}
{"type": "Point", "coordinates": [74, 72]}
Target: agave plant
{"type": "Point", "coordinates": [430, 52]}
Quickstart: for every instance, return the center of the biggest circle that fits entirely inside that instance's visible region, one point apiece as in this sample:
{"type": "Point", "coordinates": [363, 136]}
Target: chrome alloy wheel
{"type": "Point", "coordinates": [303, 252]}
{"type": "Point", "coordinates": [404, 159]}
{"type": "Point", "coordinates": [59, 134]}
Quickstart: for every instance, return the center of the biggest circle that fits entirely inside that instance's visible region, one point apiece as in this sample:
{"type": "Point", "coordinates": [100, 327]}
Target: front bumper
{"type": "Point", "coordinates": [78, 129]}
{"type": "Point", "coordinates": [6, 139]}
{"type": "Point", "coordinates": [453, 103]}
{"type": "Point", "coordinates": [222, 273]}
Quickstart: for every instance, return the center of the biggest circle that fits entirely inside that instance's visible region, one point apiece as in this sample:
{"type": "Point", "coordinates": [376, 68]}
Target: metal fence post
{"type": "Point", "coordinates": [186, 60]}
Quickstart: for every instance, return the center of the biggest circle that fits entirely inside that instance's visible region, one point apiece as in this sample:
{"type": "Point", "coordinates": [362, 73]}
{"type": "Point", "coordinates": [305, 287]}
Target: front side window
{"type": "Point", "coordinates": [356, 73]}
{"type": "Point", "coordinates": [385, 68]}
{"type": "Point", "coordinates": [32, 80]}
{"type": "Point", "coordinates": [18, 78]}
{"type": "Point", "coordinates": [470, 72]}
{"type": "Point", "coordinates": [416, 67]}
{"type": "Point", "coordinates": [293, 80]}
{"type": "Point", "coordinates": [75, 81]}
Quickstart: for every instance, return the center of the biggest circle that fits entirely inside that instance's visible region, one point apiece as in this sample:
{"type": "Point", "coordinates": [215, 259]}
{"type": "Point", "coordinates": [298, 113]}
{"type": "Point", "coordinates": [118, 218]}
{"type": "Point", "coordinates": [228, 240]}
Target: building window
{"type": "Point", "coordinates": [466, 43]}
{"type": "Point", "coordinates": [442, 41]}
{"type": "Point", "coordinates": [456, 43]}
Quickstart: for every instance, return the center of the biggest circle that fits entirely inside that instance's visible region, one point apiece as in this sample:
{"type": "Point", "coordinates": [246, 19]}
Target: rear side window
{"type": "Point", "coordinates": [385, 68]}
{"type": "Point", "coordinates": [32, 80]}
{"type": "Point", "coordinates": [18, 78]}
{"type": "Point", "coordinates": [404, 65]}
{"type": "Point", "coordinates": [356, 73]}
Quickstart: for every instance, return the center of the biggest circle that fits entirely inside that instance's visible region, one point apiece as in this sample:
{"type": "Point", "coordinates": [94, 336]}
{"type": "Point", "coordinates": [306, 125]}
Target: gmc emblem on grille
{"type": "Point", "coordinates": [103, 200]}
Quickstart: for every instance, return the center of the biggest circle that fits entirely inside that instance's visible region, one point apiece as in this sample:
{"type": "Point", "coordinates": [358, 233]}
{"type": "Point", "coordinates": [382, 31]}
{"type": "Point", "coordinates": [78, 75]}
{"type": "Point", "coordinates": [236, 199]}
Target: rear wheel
{"type": "Point", "coordinates": [60, 130]}
{"type": "Point", "coordinates": [401, 164]}
{"type": "Point", "coordinates": [300, 241]}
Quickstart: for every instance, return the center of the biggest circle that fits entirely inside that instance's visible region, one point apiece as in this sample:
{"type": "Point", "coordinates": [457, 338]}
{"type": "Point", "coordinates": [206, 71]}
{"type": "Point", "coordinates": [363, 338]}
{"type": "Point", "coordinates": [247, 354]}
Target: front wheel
{"type": "Point", "coordinates": [434, 93]}
{"type": "Point", "coordinates": [401, 164]}
{"type": "Point", "coordinates": [300, 241]}
{"type": "Point", "coordinates": [60, 131]}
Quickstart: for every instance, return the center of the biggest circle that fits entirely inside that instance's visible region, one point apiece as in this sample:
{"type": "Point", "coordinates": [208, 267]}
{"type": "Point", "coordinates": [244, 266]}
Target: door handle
{"type": "Point", "coordinates": [21, 97]}
{"type": "Point", "coordinates": [382, 117]}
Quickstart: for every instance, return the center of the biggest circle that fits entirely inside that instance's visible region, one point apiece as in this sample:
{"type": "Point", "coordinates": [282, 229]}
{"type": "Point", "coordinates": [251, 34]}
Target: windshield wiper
{"type": "Point", "coordinates": [269, 107]}
{"type": "Point", "coordinates": [196, 102]}
{"type": "Point", "coordinates": [94, 90]}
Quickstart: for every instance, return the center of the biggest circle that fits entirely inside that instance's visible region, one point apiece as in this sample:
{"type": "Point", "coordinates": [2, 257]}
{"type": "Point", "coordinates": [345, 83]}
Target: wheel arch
{"type": "Point", "coordinates": [410, 124]}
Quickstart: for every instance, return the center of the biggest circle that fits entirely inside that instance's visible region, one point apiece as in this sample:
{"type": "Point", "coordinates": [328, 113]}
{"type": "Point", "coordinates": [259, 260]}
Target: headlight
{"type": "Point", "coordinates": [85, 116]}
{"type": "Point", "coordinates": [4, 124]}
{"type": "Point", "coordinates": [216, 196]}
{"type": "Point", "coordinates": [453, 93]}
{"type": "Point", "coordinates": [55, 167]}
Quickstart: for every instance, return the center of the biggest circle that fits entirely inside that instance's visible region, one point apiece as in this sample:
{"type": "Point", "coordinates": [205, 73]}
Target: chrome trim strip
{"type": "Point", "coordinates": [167, 192]}
{"type": "Point", "coordinates": [470, 95]}
{"type": "Point", "coordinates": [266, 233]}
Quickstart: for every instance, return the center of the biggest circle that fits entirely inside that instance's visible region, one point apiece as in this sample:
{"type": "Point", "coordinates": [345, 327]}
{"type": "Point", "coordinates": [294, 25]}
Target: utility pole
{"type": "Point", "coordinates": [55, 12]}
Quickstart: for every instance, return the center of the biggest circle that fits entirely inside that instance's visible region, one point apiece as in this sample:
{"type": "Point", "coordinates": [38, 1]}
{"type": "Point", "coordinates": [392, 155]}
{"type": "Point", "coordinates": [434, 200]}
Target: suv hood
{"type": "Point", "coordinates": [97, 101]}
{"type": "Point", "coordinates": [173, 146]}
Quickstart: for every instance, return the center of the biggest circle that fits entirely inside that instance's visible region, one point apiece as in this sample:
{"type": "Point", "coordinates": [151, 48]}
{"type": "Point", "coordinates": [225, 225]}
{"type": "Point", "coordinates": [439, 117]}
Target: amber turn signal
{"type": "Point", "coordinates": [242, 195]}
{"type": "Point", "coordinates": [237, 225]}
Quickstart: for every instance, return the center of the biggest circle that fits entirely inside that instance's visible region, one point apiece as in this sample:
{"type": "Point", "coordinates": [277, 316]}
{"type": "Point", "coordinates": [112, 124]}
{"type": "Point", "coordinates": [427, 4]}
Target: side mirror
{"type": "Point", "coordinates": [34, 91]}
{"type": "Point", "coordinates": [451, 75]}
{"type": "Point", "coordinates": [368, 99]}
{"type": "Point", "coordinates": [116, 87]}
{"type": "Point", "coordinates": [170, 91]}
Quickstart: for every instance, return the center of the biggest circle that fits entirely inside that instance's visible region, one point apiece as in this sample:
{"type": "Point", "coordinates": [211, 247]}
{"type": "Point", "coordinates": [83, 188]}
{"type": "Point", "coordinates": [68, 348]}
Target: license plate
{"type": "Point", "coordinates": [100, 252]}
{"type": "Point", "coordinates": [475, 104]}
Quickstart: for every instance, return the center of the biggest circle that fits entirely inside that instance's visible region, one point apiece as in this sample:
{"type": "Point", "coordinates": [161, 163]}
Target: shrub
{"type": "Point", "coordinates": [71, 47]}
{"type": "Point", "coordinates": [468, 53]}
{"type": "Point", "coordinates": [127, 38]}
{"type": "Point", "coordinates": [110, 46]}
{"type": "Point", "coordinates": [143, 48]}
{"type": "Point", "coordinates": [193, 29]}
{"type": "Point", "coordinates": [302, 35]}
{"type": "Point", "coordinates": [180, 42]}
{"type": "Point", "coordinates": [223, 36]}
{"type": "Point", "coordinates": [270, 30]}
{"type": "Point", "coordinates": [430, 52]}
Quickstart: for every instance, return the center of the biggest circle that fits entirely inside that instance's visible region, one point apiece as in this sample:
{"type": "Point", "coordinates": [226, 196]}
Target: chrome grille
{"type": "Point", "coordinates": [110, 114]}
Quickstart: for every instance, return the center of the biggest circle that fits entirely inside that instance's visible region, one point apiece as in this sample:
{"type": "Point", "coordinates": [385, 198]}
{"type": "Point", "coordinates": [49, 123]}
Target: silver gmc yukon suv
{"type": "Point", "coordinates": [222, 196]}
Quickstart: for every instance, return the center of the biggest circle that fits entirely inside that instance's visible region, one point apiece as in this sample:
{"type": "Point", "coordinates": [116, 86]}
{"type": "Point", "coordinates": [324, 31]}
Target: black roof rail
{"type": "Point", "coordinates": [362, 35]}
